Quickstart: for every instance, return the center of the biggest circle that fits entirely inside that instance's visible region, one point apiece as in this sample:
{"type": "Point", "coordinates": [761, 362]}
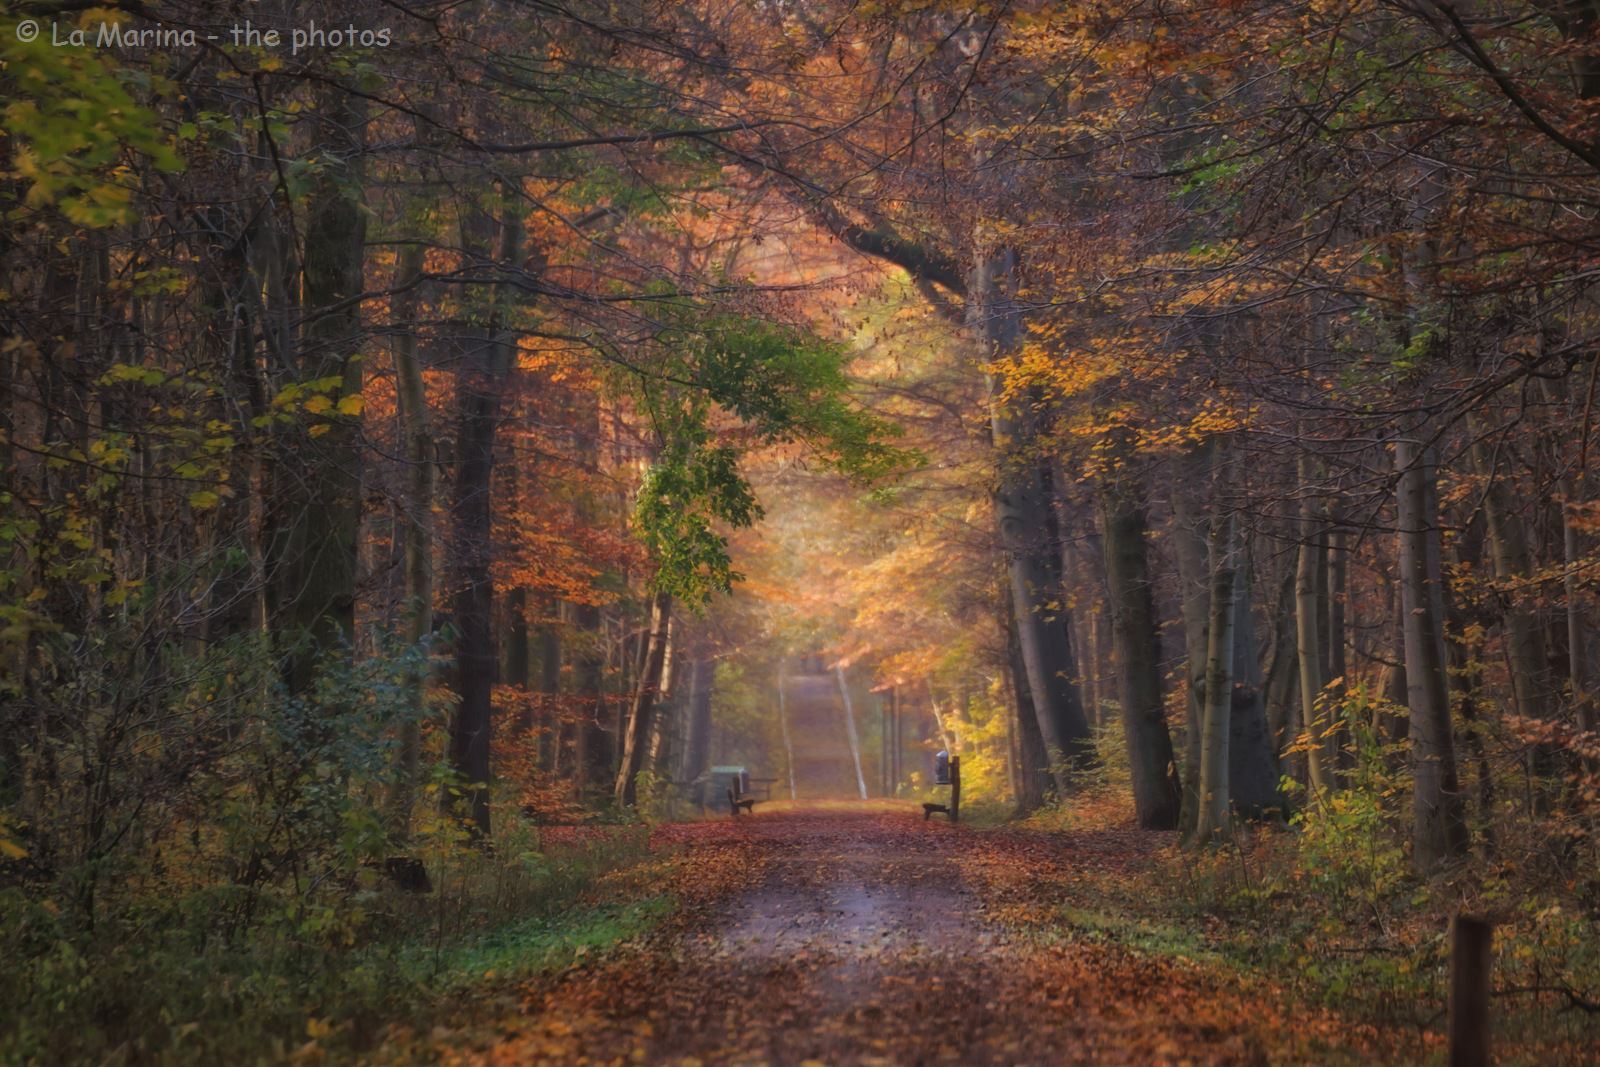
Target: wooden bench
{"type": "Point", "coordinates": [735, 802]}
{"type": "Point", "coordinates": [952, 809]}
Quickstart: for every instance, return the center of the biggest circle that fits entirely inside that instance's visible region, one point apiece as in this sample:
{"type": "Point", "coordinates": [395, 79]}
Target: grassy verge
{"type": "Point", "coordinates": [168, 984]}
{"type": "Point", "coordinates": [1327, 914]}
{"type": "Point", "coordinates": [532, 946]}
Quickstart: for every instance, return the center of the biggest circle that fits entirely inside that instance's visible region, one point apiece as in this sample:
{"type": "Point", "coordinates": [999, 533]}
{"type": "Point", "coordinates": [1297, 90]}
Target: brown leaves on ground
{"type": "Point", "coordinates": [868, 936]}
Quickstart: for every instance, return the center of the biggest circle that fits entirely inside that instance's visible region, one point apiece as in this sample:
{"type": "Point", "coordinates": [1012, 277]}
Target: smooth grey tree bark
{"type": "Point", "coordinates": [1253, 773]}
{"type": "Point", "coordinates": [1212, 821]}
{"type": "Point", "coordinates": [636, 728]}
{"type": "Point", "coordinates": [1335, 640]}
{"type": "Point", "coordinates": [697, 744]}
{"type": "Point", "coordinates": [1033, 781]}
{"type": "Point", "coordinates": [1189, 549]}
{"type": "Point", "coordinates": [855, 738]}
{"type": "Point", "coordinates": [1309, 621]}
{"type": "Point", "coordinates": [1252, 754]}
{"type": "Point", "coordinates": [1135, 639]}
{"type": "Point", "coordinates": [850, 729]}
{"type": "Point", "coordinates": [1393, 723]}
{"type": "Point", "coordinates": [1439, 830]}
{"type": "Point", "coordinates": [1283, 670]}
{"type": "Point", "coordinates": [1022, 505]}
{"type": "Point", "coordinates": [1534, 692]}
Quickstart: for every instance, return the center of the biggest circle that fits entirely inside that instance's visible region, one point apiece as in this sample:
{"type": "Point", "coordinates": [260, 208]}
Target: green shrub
{"type": "Point", "coordinates": [226, 899]}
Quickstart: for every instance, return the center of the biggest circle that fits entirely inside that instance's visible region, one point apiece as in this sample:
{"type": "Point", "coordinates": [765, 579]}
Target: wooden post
{"type": "Point", "coordinates": [1471, 941]}
{"type": "Point", "coordinates": [955, 788]}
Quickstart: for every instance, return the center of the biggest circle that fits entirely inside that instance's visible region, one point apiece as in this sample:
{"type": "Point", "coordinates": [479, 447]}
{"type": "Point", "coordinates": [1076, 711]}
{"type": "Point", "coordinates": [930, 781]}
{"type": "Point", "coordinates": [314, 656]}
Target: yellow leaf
{"type": "Point", "coordinates": [351, 405]}
{"type": "Point", "coordinates": [318, 404]}
{"type": "Point", "coordinates": [319, 429]}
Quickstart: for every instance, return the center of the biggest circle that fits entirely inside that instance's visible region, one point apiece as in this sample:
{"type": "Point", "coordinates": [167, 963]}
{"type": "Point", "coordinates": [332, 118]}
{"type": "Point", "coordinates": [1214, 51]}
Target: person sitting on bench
{"type": "Point", "coordinates": [735, 801]}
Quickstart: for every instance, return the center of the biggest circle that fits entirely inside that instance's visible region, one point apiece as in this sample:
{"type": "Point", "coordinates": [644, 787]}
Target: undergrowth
{"type": "Point", "coordinates": [232, 903]}
{"type": "Point", "coordinates": [155, 985]}
{"type": "Point", "coordinates": [1328, 907]}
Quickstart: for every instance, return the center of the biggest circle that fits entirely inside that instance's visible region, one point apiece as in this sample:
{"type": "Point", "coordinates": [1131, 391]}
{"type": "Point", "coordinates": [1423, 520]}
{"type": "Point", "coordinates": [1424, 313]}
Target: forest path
{"type": "Point", "coordinates": [860, 934]}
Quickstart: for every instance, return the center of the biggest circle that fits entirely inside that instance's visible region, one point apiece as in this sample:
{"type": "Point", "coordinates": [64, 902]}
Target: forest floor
{"type": "Point", "coordinates": [861, 934]}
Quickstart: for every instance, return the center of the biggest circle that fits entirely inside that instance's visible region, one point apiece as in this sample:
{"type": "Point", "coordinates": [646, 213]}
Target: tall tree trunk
{"type": "Point", "coordinates": [1094, 674]}
{"type": "Point", "coordinates": [636, 729]}
{"type": "Point", "coordinates": [1309, 614]}
{"type": "Point", "coordinates": [1217, 721]}
{"type": "Point", "coordinates": [896, 711]}
{"type": "Point", "coordinates": [668, 703]}
{"type": "Point", "coordinates": [885, 731]}
{"type": "Point", "coordinates": [1579, 644]}
{"type": "Point", "coordinates": [480, 388]}
{"type": "Point", "coordinates": [594, 750]}
{"type": "Point", "coordinates": [948, 740]}
{"type": "Point", "coordinates": [1023, 508]}
{"type": "Point", "coordinates": [1466, 556]}
{"type": "Point", "coordinates": [1033, 780]}
{"type": "Point", "coordinates": [416, 531]}
{"type": "Point", "coordinates": [1283, 675]}
{"type": "Point", "coordinates": [788, 741]}
{"type": "Point", "coordinates": [1135, 639]}
{"type": "Point", "coordinates": [1575, 487]}
{"type": "Point", "coordinates": [519, 663]}
{"type": "Point", "coordinates": [1439, 830]}
{"type": "Point", "coordinates": [1533, 685]}
{"type": "Point", "coordinates": [473, 606]}
{"type": "Point", "coordinates": [318, 560]}
{"type": "Point", "coordinates": [697, 746]}
{"type": "Point", "coordinates": [1252, 761]}
{"type": "Point", "coordinates": [1082, 588]}
{"type": "Point", "coordinates": [1010, 738]}
{"type": "Point", "coordinates": [1338, 750]}
{"type": "Point", "coordinates": [1284, 701]}
{"type": "Point", "coordinates": [1393, 723]}
{"type": "Point", "coordinates": [1337, 601]}
{"type": "Point", "coordinates": [1189, 550]}
{"type": "Point", "coordinates": [659, 747]}
{"type": "Point", "coordinates": [547, 639]}
{"type": "Point", "coordinates": [854, 737]}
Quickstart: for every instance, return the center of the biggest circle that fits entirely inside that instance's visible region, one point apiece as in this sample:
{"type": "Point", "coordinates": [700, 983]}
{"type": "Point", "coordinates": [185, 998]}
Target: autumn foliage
{"type": "Point", "coordinates": [431, 459]}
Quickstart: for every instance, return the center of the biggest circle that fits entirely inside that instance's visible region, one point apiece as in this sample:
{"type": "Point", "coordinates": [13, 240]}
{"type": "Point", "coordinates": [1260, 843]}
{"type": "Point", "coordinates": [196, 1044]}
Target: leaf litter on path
{"type": "Point", "coordinates": [868, 936]}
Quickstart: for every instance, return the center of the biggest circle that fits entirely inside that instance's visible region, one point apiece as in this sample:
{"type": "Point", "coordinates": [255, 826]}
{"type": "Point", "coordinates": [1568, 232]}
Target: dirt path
{"type": "Point", "coordinates": [865, 937]}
